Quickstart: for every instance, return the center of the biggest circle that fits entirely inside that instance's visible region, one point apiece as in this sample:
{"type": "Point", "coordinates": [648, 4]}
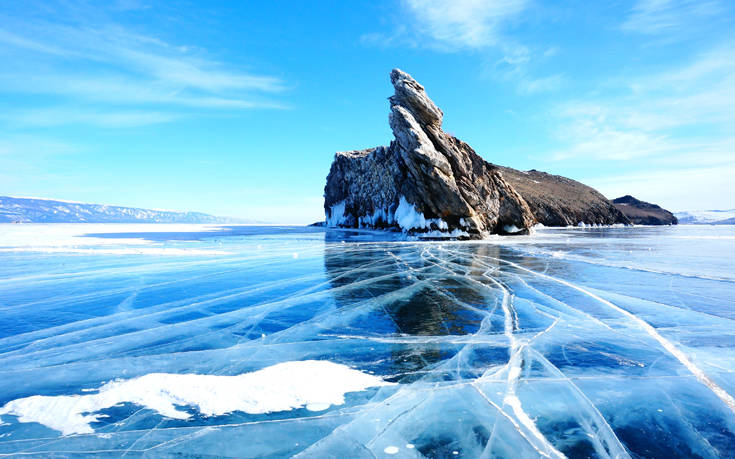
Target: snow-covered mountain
{"type": "Point", "coordinates": [36, 210]}
{"type": "Point", "coordinates": [706, 217]}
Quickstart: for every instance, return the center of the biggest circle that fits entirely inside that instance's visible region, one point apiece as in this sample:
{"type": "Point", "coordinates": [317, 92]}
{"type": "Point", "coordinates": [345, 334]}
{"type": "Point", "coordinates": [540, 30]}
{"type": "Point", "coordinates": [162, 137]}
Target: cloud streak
{"type": "Point", "coordinates": [60, 116]}
{"type": "Point", "coordinates": [677, 189]}
{"type": "Point", "coordinates": [656, 17]}
{"type": "Point", "coordinates": [459, 24]}
{"type": "Point", "coordinates": [119, 67]}
{"type": "Point", "coordinates": [665, 113]}
{"type": "Point", "coordinates": [475, 26]}
{"type": "Point", "coordinates": [674, 127]}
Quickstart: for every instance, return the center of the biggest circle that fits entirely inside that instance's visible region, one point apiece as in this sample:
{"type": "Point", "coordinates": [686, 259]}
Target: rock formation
{"type": "Point", "coordinates": [644, 213]}
{"type": "Point", "coordinates": [559, 201]}
{"type": "Point", "coordinates": [426, 181]}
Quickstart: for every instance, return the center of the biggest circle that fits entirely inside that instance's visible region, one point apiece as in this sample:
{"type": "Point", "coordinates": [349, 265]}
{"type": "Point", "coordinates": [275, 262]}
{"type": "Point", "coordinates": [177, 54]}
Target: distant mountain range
{"type": "Point", "coordinates": [36, 210]}
{"type": "Point", "coordinates": [706, 217]}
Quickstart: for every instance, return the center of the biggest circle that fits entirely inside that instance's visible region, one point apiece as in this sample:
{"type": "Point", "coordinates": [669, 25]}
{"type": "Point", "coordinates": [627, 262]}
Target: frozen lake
{"type": "Point", "coordinates": [277, 341]}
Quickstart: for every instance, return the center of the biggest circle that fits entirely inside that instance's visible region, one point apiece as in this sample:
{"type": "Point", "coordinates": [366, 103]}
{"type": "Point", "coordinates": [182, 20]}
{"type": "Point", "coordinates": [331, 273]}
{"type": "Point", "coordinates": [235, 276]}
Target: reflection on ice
{"type": "Point", "coordinates": [600, 342]}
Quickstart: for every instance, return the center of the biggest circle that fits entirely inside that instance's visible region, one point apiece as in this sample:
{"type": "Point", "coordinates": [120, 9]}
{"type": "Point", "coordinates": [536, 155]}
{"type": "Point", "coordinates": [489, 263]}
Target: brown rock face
{"type": "Point", "coordinates": [644, 213]}
{"type": "Point", "coordinates": [560, 201]}
{"type": "Point", "coordinates": [426, 181]}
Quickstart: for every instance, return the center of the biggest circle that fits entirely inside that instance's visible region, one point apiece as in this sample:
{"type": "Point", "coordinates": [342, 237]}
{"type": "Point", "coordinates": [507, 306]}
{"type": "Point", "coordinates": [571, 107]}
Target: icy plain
{"type": "Point", "coordinates": [241, 341]}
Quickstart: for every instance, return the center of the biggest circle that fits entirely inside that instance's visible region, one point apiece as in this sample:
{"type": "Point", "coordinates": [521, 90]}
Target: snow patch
{"type": "Point", "coordinates": [50, 235]}
{"type": "Point", "coordinates": [314, 384]}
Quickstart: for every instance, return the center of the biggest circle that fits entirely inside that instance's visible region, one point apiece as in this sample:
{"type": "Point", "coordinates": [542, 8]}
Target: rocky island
{"type": "Point", "coordinates": [428, 182]}
{"type": "Point", "coordinates": [561, 201]}
{"type": "Point", "coordinates": [644, 213]}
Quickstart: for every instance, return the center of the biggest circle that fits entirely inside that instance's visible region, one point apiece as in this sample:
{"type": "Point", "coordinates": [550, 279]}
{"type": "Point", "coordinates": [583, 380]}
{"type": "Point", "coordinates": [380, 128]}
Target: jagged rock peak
{"type": "Point", "coordinates": [425, 182]}
{"type": "Point", "coordinates": [410, 95]}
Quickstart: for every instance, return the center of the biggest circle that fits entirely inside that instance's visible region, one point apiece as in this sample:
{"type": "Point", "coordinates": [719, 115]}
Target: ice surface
{"type": "Point", "coordinates": [246, 341]}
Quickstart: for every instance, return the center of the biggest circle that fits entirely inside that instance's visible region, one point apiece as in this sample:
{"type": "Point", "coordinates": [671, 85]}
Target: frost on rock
{"type": "Point", "coordinates": [336, 215]}
{"type": "Point", "coordinates": [408, 218]}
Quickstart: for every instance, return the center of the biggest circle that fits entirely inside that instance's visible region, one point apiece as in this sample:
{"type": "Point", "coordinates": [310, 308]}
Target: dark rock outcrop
{"type": "Point", "coordinates": [426, 181]}
{"type": "Point", "coordinates": [560, 201]}
{"type": "Point", "coordinates": [644, 213]}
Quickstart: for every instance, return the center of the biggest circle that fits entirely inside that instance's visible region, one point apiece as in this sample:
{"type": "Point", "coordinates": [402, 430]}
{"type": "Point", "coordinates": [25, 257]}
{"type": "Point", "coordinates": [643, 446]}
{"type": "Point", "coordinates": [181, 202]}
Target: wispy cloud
{"type": "Point", "coordinates": [463, 23]}
{"type": "Point", "coordinates": [479, 26]}
{"type": "Point", "coordinates": [675, 188]}
{"type": "Point", "coordinates": [450, 25]}
{"type": "Point", "coordinates": [121, 67]}
{"type": "Point", "coordinates": [24, 146]}
{"type": "Point", "coordinates": [675, 127]}
{"type": "Point", "coordinates": [26, 157]}
{"type": "Point", "coordinates": [60, 116]}
{"type": "Point", "coordinates": [530, 85]}
{"type": "Point", "coordinates": [665, 113]}
{"type": "Point", "coordinates": [657, 17]}
{"type": "Point", "coordinates": [124, 90]}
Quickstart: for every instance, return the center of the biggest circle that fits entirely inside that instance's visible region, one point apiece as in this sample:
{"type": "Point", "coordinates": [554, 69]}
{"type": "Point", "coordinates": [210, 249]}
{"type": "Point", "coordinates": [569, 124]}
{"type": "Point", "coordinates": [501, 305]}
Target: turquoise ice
{"type": "Point", "coordinates": [275, 341]}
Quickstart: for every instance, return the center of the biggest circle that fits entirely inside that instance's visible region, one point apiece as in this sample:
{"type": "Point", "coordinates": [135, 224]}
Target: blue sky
{"type": "Point", "coordinates": [237, 108]}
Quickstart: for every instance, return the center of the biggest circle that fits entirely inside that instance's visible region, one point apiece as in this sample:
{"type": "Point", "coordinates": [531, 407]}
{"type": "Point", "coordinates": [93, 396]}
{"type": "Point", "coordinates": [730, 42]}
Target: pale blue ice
{"type": "Point", "coordinates": [596, 342]}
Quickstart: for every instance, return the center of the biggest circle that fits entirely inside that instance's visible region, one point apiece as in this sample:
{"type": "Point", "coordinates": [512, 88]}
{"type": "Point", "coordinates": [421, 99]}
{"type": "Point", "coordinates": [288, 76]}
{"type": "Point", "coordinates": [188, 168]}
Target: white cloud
{"type": "Point", "coordinates": [655, 17]}
{"type": "Point", "coordinates": [708, 68]}
{"type": "Point", "coordinates": [474, 26]}
{"type": "Point", "coordinates": [125, 90]}
{"type": "Point", "coordinates": [463, 23]}
{"type": "Point", "coordinates": [530, 85]}
{"type": "Point", "coordinates": [591, 140]}
{"type": "Point", "coordinates": [23, 159]}
{"type": "Point", "coordinates": [666, 114]}
{"type": "Point", "coordinates": [33, 146]}
{"type": "Point", "coordinates": [59, 116]}
{"type": "Point", "coordinates": [452, 25]}
{"type": "Point", "coordinates": [675, 128]}
{"type": "Point", "coordinates": [9, 39]}
{"type": "Point", "coordinates": [121, 67]}
{"type": "Point", "coordinates": [675, 189]}
{"type": "Point", "coordinates": [551, 52]}
{"type": "Point", "coordinates": [112, 44]}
